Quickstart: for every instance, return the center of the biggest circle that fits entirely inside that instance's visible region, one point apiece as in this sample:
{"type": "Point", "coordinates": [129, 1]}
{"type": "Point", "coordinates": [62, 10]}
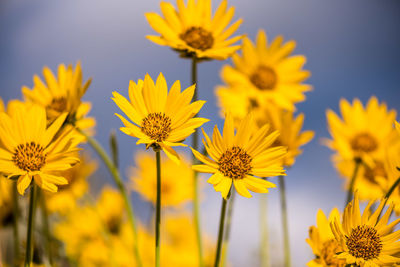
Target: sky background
{"type": "Point", "coordinates": [352, 50]}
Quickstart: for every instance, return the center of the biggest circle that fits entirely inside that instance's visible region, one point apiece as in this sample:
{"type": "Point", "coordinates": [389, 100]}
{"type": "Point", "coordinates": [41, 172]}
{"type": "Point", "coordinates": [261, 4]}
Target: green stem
{"type": "Point", "coordinates": [352, 181]}
{"type": "Point", "coordinates": [31, 221]}
{"type": "Point", "coordinates": [285, 226]}
{"type": "Point", "coordinates": [264, 244]}
{"type": "Point", "coordinates": [46, 228]}
{"type": "Point", "coordinates": [15, 208]}
{"type": "Point", "coordinates": [158, 208]}
{"type": "Point", "coordinates": [221, 231]}
{"type": "Point", "coordinates": [196, 202]}
{"type": "Point", "coordinates": [388, 194]}
{"type": "Point", "coordinates": [227, 234]}
{"type": "Point", "coordinates": [118, 181]}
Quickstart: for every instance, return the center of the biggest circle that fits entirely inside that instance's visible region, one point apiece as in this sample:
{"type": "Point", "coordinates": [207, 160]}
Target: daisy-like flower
{"type": "Point", "coordinates": [323, 243]}
{"type": "Point", "coordinates": [365, 239]}
{"type": "Point", "coordinates": [29, 150]}
{"type": "Point", "coordinates": [356, 136]}
{"type": "Point", "coordinates": [192, 31]}
{"type": "Point", "coordinates": [174, 185]}
{"type": "Point", "coordinates": [235, 158]}
{"type": "Point", "coordinates": [161, 119]}
{"type": "Point", "coordinates": [62, 93]}
{"type": "Point", "coordinates": [266, 73]}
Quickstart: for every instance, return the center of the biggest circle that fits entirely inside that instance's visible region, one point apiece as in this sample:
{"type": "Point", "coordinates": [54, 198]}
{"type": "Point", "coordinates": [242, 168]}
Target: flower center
{"type": "Point", "coordinates": [198, 38]}
{"type": "Point", "coordinates": [157, 126]}
{"type": "Point", "coordinates": [235, 163]}
{"type": "Point", "coordinates": [329, 249]}
{"type": "Point", "coordinates": [364, 242]}
{"type": "Point", "coordinates": [29, 156]}
{"type": "Point", "coordinates": [264, 78]}
{"type": "Point", "coordinates": [363, 142]}
{"type": "Point", "coordinates": [58, 104]}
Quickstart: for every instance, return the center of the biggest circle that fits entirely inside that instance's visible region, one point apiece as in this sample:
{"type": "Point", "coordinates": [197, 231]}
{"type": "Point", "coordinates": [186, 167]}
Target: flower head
{"type": "Point", "coordinates": [62, 93]}
{"type": "Point", "coordinates": [323, 243]}
{"type": "Point", "coordinates": [29, 150]}
{"type": "Point", "coordinates": [265, 73]}
{"type": "Point", "coordinates": [175, 185]}
{"type": "Point", "coordinates": [365, 239]}
{"type": "Point", "coordinates": [193, 31]}
{"type": "Point", "coordinates": [161, 119]}
{"type": "Point", "coordinates": [235, 158]}
{"type": "Point", "coordinates": [356, 136]}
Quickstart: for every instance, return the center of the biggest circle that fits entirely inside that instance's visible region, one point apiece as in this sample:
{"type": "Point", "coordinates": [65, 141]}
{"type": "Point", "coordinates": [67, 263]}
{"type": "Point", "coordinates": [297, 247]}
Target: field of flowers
{"type": "Point", "coordinates": [185, 155]}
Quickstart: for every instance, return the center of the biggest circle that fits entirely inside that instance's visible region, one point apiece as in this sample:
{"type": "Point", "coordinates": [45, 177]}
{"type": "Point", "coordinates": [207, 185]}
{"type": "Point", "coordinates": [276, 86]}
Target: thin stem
{"type": "Point", "coordinates": [357, 162]}
{"type": "Point", "coordinates": [46, 228]}
{"type": "Point", "coordinates": [158, 208]}
{"type": "Point", "coordinates": [227, 234]}
{"type": "Point", "coordinates": [285, 226]}
{"type": "Point", "coordinates": [118, 181]}
{"type": "Point", "coordinates": [196, 202]}
{"type": "Point", "coordinates": [388, 194]}
{"type": "Point", "coordinates": [264, 244]}
{"type": "Point", "coordinates": [15, 208]}
{"type": "Point", "coordinates": [31, 221]}
{"type": "Point", "coordinates": [221, 231]}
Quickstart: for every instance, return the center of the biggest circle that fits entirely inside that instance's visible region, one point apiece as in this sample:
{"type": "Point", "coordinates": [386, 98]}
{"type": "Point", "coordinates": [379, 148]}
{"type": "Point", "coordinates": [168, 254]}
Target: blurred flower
{"type": "Point", "coordinates": [29, 150]}
{"type": "Point", "coordinates": [193, 32]}
{"type": "Point", "coordinates": [68, 195]}
{"type": "Point", "coordinates": [264, 74]}
{"type": "Point", "coordinates": [236, 158]}
{"type": "Point", "coordinates": [289, 128]}
{"type": "Point", "coordinates": [323, 243]}
{"type": "Point", "coordinates": [365, 239]}
{"type": "Point", "coordinates": [62, 94]}
{"type": "Point", "coordinates": [162, 119]}
{"type": "Point", "coordinates": [356, 136]}
{"type": "Point", "coordinates": [6, 203]}
{"type": "Point", "coordinates": [176, 182]}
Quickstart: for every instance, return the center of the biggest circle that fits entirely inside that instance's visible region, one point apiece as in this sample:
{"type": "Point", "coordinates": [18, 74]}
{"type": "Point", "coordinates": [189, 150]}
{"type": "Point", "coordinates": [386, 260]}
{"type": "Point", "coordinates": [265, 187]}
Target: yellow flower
{"type": "Point", "coordinates": [236, 158]}
{"type": "Point", "coordinates": [176, 182]}
{"type": "Point", "coordinates": [68, 195]}
{"type": "Point", "coordinates": [62, 93]}
{"type": "Point", "coordinates": [161, 119]}
{"type": "Point", "coordinates": [30, 150]}
{"type": "Point", "coordinates": [289, 127]}
{"type": "Point", "coordinates": [365, 239]}
{"type": "Point", "coordinates": [192, 31]}
{"type": "Point", "coordinates": [323, 242]}
{"type": "Point", "coordinates": [356, 136]}
{"type": "Point", "coordinates": [266, 73]}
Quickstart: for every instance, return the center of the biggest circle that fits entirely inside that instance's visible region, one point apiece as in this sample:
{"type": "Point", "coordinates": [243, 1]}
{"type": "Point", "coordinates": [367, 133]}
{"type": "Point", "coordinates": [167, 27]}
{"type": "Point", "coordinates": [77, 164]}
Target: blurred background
{"type": "Point", "coordinates": [352, 47]}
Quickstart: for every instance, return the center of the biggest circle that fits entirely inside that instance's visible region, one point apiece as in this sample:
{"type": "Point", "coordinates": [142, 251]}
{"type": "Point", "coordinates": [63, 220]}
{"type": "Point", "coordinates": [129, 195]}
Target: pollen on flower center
{"type": "Point", "coordinates": [58, 104]}
{"type": "Point", "coordinates": [235, 163]}
{"type": "Point", "coordinates": [264, 78]}
{"type": "Point", "coordinates": [329, 249]}
{"type": "Point", "coordinates": [198, 38]}
{"type": "Point", "coordinates": [29, 157]}
{"type": "Point", "coordinates": [157, 126]}
{"type": "Point", "coordinates": [364, 242]}
{"type": "Point", "coordinates": [363, 142]}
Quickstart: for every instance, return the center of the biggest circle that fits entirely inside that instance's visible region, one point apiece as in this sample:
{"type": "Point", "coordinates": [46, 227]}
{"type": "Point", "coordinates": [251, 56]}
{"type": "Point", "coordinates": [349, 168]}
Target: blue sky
{"type": "Point", "coordinates": [352, 49]}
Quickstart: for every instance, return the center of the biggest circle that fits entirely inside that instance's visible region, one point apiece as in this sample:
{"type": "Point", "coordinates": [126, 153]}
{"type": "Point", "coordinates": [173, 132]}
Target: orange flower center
{"type": "Point", "coordinates": [29, 157]}
{"type": "Point", "coordinates": [264, 78]}
{"type": "Point", "coordinates": [198, 38]}
{"type": "Point", "coordinates": [329, 250]}
{"type": "Point", "coordinates": [235, 163]}
{"type": "Point", "coordinates": [363, 142]}
{"type": "Point", "coordinates": [157, 126]}
{"type": "Point", "coordinates": [364, 242]}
